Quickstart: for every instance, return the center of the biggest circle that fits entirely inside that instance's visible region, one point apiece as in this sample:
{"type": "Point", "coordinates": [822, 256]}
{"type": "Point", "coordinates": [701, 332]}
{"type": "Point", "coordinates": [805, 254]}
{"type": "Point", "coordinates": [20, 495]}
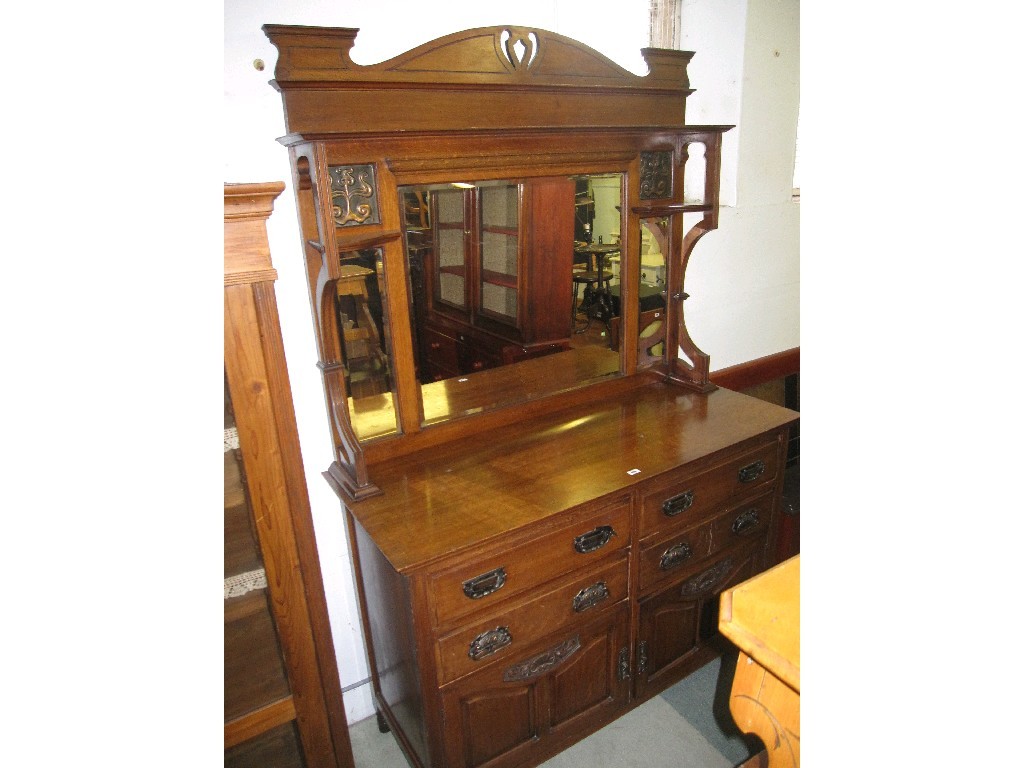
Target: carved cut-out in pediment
{"type": "Point", "coordinates": [519, 47]}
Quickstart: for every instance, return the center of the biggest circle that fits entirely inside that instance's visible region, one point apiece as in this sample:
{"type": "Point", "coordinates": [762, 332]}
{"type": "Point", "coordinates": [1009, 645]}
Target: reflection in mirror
{"type": "Point", "coordinates": [654, 244]}
{"type": "Point", "coordinates": [654, 247]}
{"type": "Point", "coordinates": [654, 234]}
{"type": "Point", "coordinates": [513, 288]}
{"type": "Point", "coordinates": [361, 312]}
{"type": "Point", "coordinates": [652, 333]}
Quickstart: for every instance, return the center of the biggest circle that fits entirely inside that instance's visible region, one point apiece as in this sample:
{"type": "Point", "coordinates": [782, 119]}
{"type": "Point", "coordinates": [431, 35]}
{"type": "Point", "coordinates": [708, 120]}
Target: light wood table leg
{"type": "Point", "coordinates": [763, 705]}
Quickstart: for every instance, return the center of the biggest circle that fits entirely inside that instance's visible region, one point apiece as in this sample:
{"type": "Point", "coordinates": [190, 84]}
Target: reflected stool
{"type": "Point", "coordinates": [587, 280]}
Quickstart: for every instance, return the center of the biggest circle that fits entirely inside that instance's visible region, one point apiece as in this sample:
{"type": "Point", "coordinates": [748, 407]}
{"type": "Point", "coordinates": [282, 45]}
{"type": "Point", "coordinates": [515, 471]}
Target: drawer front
{"type": "Point", "coordinates": [441, 350]}
{"type": "Point", "coordinates": [663, 560]}
{"type": "Point", "coordinates": [667, 557]}
{"type": "Point", "coordinates": [744, 522]}
{"type": "Point", "coordinates": [501, 634]}
{"type": "Point", "coordinates": [679, 497]}
{"type": "Point", "coordinates": [486, 582]}
{"type": "Point", "coordinates": [475, 355]}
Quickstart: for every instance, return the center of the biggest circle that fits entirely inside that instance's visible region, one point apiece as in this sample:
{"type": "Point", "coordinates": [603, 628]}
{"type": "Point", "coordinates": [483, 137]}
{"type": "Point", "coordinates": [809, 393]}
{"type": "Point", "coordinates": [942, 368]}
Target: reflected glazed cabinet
{"type": "Point", "coordinates": [482, 293]}
{"type": "Point", "coordinates": [539, 545]}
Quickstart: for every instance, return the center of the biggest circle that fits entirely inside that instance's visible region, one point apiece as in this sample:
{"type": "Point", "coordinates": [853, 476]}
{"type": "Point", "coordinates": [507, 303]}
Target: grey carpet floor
{"type": "Point", "coordinates": [688, 726]}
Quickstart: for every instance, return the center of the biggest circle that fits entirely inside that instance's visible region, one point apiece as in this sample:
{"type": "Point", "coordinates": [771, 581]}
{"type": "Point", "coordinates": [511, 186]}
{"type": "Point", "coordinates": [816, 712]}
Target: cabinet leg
{"type": "Point", "coordinates": [382, 724]}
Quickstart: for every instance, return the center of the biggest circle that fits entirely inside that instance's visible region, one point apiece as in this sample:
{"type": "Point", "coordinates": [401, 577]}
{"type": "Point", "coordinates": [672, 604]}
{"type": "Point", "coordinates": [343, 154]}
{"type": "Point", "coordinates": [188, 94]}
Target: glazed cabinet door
{"type": "Point", "coordinates": [499, 253]}
{"type": "Point", "coordinates": [677, 621]}
{"type": "Point", "coordinates": [451, 209]}
{"type": "Point", "coordinates": [255, 677]}
{"type": "Point", "coordinates": [283, 703]}
{"type": "Point", "coordinates": [530, 706]}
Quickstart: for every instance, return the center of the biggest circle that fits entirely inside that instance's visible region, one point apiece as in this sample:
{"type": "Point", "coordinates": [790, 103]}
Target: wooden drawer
{"type": "Point", "coordinates": [441, 350]}
{"type": "Point", "coordinates": [475, 354]}
{"type": "Point", "coordinates": [502, 633]}
{"type": "Point", "coordinates": [485, 582]}
{"type": "Point", "coordinates": [667, 557]}
{"type": "Point", "coordinates": [741, 523]}
{"type": "Point", "coordinates": [679, 497]}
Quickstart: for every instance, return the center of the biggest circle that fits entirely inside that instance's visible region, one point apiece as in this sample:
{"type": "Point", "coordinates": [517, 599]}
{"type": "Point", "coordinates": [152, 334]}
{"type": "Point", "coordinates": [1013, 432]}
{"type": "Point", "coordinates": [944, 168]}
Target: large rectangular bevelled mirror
{"type": "Point", "coordinates": [513, 288]}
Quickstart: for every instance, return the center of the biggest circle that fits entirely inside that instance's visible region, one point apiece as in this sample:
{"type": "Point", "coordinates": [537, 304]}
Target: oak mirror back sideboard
{"type": "Point", "coordinates": [544, 492]}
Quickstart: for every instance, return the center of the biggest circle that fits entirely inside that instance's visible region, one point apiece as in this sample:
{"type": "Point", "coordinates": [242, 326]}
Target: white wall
{"type": "Point", "coordinates": [743, 279]}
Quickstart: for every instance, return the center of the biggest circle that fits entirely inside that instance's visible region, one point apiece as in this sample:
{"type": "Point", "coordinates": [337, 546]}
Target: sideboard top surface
{"type": "Point", "coordinates": [445, 499]}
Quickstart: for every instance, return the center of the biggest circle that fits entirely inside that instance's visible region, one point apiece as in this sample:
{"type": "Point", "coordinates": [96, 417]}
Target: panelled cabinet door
{"type": "Point", "coordinates": [675, 622]}
{"type": "Point", "coordinates": [511, 711]}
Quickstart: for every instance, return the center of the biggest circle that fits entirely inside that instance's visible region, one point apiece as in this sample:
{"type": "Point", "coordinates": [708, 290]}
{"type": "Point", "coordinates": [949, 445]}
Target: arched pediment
{"type": "Point", "coordinates": [461, 82]}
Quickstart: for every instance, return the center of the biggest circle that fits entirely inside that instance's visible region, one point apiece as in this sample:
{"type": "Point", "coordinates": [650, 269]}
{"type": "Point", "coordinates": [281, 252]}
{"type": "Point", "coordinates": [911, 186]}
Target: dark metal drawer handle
{"type": "Point", "coordinates": [746, 521]}
{"type": "Point", "coordinates": [673, 556]}
{"type": "Point", "coordinates": [489, 642]}
{"type": "Point", "coordinates": [751, 472]}
{"type": "Point", "coordinates": [704, 581]}
{"type": "Point", "coordinates": [543, 662]}
{"type": "Point", "coordinates": [590, 596]}
{"type": "Point", "coordinates": [677, 504]}
{"type": "Point", "coordinates": [595, 539]}
{"type": "Point", "coordinates": [484, 584]}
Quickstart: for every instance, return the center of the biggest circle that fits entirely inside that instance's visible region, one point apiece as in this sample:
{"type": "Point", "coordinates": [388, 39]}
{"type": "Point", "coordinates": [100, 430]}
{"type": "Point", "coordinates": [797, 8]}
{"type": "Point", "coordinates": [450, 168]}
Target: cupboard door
{"type": "Point", "coordinates": [511, 713]}
{"type": "Point", "coordinates": [676, 622]}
